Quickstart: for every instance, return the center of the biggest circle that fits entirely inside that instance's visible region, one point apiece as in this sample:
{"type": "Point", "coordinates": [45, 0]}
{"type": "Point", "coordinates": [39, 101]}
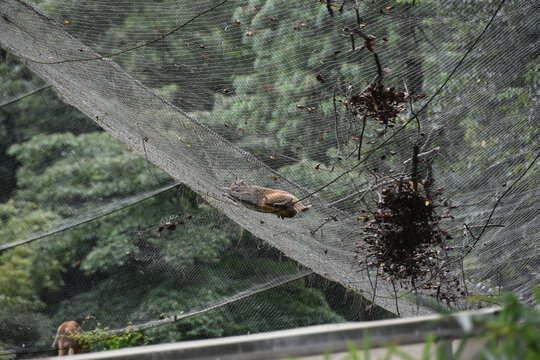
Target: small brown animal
{"type": "Point", "coordinates": [67, 340]}
{"type": "Point", "coordinates": [261, 199]}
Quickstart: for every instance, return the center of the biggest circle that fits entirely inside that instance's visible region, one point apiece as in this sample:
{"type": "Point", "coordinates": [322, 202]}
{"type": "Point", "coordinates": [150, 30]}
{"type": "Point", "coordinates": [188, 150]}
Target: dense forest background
{"type": "Point", "coordinates": [55, 163]}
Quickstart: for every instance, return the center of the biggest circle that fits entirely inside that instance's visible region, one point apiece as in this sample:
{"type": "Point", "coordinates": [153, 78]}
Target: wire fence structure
{"type": "Point", "coordinates": [410, 130]}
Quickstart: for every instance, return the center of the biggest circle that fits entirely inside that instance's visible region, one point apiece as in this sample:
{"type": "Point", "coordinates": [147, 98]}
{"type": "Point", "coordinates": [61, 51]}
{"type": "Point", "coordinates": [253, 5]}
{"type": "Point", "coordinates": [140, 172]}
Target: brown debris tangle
{"type": "Point", "coordinates": [406, 243]}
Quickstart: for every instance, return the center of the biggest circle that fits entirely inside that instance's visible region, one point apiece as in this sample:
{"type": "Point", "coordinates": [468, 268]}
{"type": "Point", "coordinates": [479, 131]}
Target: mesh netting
{"type": "Point", "coordinates": [419, 162]}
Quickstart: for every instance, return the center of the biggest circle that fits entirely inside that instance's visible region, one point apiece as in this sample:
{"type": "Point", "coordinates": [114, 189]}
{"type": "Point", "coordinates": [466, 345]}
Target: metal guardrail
{"type": "Point", "coordinates": [309, 342]}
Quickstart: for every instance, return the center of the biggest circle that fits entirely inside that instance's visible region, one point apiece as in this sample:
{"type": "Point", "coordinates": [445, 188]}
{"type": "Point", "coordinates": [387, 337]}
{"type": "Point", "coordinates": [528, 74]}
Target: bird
{"type": "Point", "coordinates": [279, 202]}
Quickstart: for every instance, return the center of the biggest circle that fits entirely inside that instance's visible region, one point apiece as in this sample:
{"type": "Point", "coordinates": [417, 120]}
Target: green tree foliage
{"type": "Point", "coordinates": [90, 167]}
{"type": "Point", "coordinates": [101, 339]}
{"type": "Point", "coordinates": [125, 267]}
{"type": "Point", "coordinates": [264, 102]}
{"type": "Point", "coordinates": [174, 63]}
{"type": "Point", "coordinates": [37, 114]}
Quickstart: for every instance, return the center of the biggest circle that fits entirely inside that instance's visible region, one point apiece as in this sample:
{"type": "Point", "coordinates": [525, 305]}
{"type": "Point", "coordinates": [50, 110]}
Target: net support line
{"type": "Point", "coordinates": [255, 290]}
{"type": "Point", "coordinates": [181, 315]}
{"type": "Point", "coordinates": [117, 206]}
{"type": "Point", "coordinates": [30, 93]}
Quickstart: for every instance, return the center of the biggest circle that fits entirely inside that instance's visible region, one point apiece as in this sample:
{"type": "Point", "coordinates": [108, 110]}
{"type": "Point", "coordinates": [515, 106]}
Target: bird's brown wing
{"type": "Point", "coordinates": [279, 199]}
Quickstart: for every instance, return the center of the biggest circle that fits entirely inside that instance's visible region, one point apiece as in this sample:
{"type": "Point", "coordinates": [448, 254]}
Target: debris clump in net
{"type": "Point", "coordinates": [408, 243]}
{"type": "Point", "coordinates": [379, 103]}
{"type": "Point", "coordinates": [405, 233]}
